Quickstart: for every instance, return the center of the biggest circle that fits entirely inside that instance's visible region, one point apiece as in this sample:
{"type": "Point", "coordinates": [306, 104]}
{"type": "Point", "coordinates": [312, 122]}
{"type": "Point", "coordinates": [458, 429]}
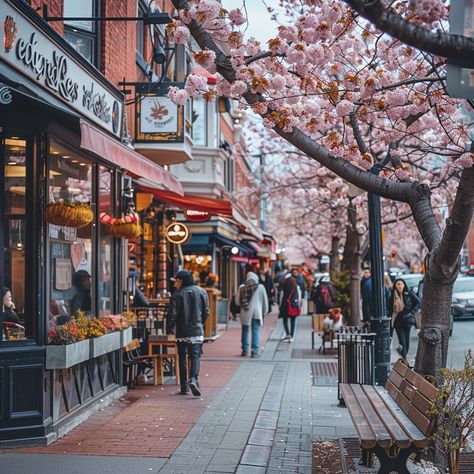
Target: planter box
{"type": "Point", "coordinates": [63, 357]}
{"type": "Point", "coordinates": [126, 336]}
{"type": "Point", "coordinates": [104, 344]}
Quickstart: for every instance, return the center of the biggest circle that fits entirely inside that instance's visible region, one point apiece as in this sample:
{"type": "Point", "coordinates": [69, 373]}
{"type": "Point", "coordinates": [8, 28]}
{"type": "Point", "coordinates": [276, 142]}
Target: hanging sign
{"type": "Point", "coordinates": [157, 118]}
{"type": "Point", "coordinates": [196, 216]}
{"type": "Point", "coordinates": [177, 233]}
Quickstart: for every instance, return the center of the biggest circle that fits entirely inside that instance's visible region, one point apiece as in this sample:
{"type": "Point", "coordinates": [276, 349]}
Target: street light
{"type": "Point", "coordinates": [379, 323]}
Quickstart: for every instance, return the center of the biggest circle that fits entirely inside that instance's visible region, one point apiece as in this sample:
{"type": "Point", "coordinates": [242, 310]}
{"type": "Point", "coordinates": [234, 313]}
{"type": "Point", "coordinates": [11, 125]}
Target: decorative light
{"type": "Point", "coordinates": [199, 260]}
{"type": "Point", "coordinates": [234, 250]}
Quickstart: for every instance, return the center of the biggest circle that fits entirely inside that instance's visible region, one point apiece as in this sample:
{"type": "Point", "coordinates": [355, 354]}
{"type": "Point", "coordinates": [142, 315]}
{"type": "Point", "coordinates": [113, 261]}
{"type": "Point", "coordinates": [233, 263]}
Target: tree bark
{"type": "Point", "coordinates": [352, 264]}
{"type": "Point", "coordinates": [334, 263]}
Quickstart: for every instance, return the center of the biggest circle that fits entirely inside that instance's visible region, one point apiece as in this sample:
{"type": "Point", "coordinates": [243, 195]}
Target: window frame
{"type": "Point", "coordinates": [95, 34]}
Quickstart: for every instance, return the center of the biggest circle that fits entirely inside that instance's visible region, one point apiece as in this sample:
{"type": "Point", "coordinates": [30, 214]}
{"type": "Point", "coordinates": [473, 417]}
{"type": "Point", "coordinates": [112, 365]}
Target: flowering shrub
{"type": "Point", "coordinates": [115, 322]}
{"type": "Point", "coordinates": [83, 327]}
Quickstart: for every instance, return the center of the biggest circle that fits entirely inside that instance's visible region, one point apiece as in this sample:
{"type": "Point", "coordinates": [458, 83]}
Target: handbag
{"type": "Point", "coordinates": [294, 308]}
{"type": "Point", "coordinates": [406, 319]}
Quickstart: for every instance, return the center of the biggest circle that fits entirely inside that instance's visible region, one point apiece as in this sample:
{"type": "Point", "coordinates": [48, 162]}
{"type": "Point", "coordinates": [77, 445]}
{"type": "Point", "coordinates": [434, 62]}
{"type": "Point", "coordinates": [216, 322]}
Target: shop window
{"type": "Point", "coordinates": [105, 267]}
{"type": "Point", "coordinates": [71, 269]}
{"type": "Point", "coordinates": [17, 321]}
{"type": "Point", "coordinates": [82, 35]}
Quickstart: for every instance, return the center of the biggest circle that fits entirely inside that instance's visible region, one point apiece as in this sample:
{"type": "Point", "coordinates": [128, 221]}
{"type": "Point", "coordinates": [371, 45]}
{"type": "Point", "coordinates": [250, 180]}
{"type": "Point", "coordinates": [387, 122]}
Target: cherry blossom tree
{"type": "Point", "coordinates": [338, 88]}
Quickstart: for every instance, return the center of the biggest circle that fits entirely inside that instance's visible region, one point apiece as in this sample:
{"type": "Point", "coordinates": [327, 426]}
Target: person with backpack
{"type": "Point", "coordinates": [323, 296]}
{"type": "Point", "coordinates": [290, 306]}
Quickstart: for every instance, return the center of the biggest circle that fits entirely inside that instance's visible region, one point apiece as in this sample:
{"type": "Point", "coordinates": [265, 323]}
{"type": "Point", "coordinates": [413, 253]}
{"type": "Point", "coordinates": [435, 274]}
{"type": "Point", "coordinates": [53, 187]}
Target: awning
{"type": "Point", "coordinates": [203, 243]}
{"type": "Point", "coordinates": [216, 207]}
{"type": "Point", "coordinates": [96, 141]}
{"type": "Point", "coordinates": [242, 246]}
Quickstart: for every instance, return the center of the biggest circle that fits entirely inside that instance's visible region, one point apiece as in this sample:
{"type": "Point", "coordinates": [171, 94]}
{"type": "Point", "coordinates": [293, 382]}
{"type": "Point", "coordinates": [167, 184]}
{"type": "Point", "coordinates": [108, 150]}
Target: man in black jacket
{"type": "Point", "coordinates": [187, 313]}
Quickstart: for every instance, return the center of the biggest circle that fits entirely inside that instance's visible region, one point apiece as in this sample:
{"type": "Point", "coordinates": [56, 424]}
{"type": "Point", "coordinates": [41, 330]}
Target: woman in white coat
{"type": "Point", "coordinates": [253, 302]}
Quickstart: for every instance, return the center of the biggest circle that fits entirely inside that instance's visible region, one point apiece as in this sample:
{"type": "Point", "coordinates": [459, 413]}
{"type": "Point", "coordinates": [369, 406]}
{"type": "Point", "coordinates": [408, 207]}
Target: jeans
{"type": "Point", "coordinates": [288, 332]}
{"type": "Point", "coordinates": [193, 351]}
{"type": "Point", "coordinates": [404, 339]}
{"type": "Point", "coordinates": [255, 337]}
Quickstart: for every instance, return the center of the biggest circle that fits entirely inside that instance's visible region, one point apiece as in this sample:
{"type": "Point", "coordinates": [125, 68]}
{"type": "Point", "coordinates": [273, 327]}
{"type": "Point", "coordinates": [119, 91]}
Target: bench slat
{"type": "Point", "coordinates": [418, 438]}
{"type": "Point", "coordinates": [402, 440]}
{"type": "Point", "coordinates": [422, 403]}
{"type": "Point", "coordinates": [395, 378]}
{"type": "Point", "coordinates": [427, 389]}
{"type": "Point", "coordinates": [381, 434]}
{"type": "Point", "coordinates": [420, 420]}
{"type": "Point", "coordinates": [400, 367]}
{"type": "Point", "coordinates": [364, 432]}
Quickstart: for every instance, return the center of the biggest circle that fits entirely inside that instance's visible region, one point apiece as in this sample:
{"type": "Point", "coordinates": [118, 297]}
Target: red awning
{"type": "Point", "coordinates": [216, 207]}
{"type": "Point", "coordinates": [96, 141]}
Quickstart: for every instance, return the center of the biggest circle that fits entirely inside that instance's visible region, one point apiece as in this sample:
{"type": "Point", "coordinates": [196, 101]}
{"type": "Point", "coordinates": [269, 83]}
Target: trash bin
{"type": "Point", "coordinates": [355, 360]}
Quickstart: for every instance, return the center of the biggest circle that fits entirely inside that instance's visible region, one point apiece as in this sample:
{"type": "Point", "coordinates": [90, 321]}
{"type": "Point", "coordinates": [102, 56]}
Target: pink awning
{"type": "Point", "coordinates": [96, 141]}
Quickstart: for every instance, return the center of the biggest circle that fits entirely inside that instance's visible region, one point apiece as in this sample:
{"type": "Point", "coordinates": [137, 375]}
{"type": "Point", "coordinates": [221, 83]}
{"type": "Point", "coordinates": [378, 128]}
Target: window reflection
{"type": "Point", "coordinates": [70, 249]}
{"type": "Point", "coordinates": [14, 320]}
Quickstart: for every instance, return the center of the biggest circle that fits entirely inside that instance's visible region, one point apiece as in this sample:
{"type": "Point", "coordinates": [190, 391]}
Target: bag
{"type": "Point", "coordinates": [293, 306]}
{"type": "Point", "coordinates": [325, 295]}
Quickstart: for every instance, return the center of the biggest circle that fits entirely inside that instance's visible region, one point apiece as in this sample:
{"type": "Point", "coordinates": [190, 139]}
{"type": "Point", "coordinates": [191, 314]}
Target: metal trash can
{"type": "Point", "coordinates": [355, 360]}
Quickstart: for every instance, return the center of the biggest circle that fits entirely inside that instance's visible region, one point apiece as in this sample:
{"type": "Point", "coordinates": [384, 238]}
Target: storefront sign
{"type": "Point", "coordinates": [177, 233]}
{"type": "Point", "coordinates": [196, 216]}
{"type": "Point", "coordinates": [158, 119]}
{"type": "Point", "coordinates": [30, 51]}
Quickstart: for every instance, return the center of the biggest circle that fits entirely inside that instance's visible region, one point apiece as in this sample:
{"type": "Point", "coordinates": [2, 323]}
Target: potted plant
{"type": "Point", "coordinates": [454, 409]}
{"type": "Point", "coordinates": [117, 322]}
{"type": "Point", "coordinates": [67, 346]}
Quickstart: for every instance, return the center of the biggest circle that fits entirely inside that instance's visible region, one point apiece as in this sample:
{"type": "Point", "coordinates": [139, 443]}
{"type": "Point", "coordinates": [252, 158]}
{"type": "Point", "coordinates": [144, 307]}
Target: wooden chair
{"type": "Point", "coordinates": [170, 359]}
{"type": "Point", "coordinates": [133, 358]}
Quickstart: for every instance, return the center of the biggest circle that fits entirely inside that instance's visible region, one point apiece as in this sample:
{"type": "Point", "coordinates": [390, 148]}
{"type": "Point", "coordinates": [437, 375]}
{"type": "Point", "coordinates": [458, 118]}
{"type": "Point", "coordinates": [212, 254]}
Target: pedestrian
{"type": "Point", "coordinates": [403, 306]}
{"type": "Point", "coordinates": [365, 278]}
{"type": "Point", "coordinates": [253, 301]}
{"type": "Point", "coordinates": [300, 281]}
{"type": "Point", "coordinates": [323, 296]}
{"type": "Point", "coordinates": [265, 278]}
{"type": "Point", "coordinates": [291, 296]}
{"type": "Point", "coordinates": [8, 314]}
{"type": "Point", "coordinates": [187, 313]}
{"type": "Point", "coordinates": [387, 288]}
{"type": "Point", "coordinates": [278, 280]}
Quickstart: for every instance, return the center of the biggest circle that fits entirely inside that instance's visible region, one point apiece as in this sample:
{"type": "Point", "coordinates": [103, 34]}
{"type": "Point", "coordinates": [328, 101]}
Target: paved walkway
{"type": "Point", "coordinates": [255, 416]}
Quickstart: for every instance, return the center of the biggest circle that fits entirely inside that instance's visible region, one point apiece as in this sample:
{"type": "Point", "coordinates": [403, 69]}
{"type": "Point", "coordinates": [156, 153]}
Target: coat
{"type": "Point", "coordinates": [412, 304]}
{"type": "Point", "coordinates": [289, 287]}
{"type": "Point", "coordinates": [258, 306]}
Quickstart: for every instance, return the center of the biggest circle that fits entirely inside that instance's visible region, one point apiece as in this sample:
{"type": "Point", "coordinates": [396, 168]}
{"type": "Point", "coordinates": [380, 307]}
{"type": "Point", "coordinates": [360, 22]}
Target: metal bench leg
{"type": "Point", "coordinates": [393, 459]}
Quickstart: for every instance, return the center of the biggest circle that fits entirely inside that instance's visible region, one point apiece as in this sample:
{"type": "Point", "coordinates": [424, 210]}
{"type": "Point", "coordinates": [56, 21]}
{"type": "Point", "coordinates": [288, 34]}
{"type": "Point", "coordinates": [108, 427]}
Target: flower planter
{"type": "Point", "coordinates": [63, 357]}
{"type": "Point", "coordinates": [126, 336]}
{"type": "Point", "coordinates": [104, 344]}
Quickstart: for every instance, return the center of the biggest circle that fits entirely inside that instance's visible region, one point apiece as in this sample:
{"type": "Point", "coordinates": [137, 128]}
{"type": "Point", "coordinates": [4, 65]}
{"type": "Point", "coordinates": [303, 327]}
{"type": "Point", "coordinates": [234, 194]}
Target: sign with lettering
{"type": "Point", "coordinates": [177, 233]}
{"type": "Point", "coordinates": [30, 51]}
{"type": "Point", "coordinates": [158, 119]}
{"type": "Point", "coordinates": [196, 216]}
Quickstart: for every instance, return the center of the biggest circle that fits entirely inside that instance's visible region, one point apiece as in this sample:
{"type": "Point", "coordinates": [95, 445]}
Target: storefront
{"type": "Point", "coordinates": [60, 128]}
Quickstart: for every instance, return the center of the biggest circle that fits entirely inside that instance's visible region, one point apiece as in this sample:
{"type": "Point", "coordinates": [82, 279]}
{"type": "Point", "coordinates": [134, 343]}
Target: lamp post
{"type": "Point", "coordinates": [379, 323]}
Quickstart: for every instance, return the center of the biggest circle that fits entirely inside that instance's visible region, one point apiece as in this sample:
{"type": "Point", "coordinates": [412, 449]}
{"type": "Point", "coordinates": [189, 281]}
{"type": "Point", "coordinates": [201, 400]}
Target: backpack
{"type": "Point", "coordinates": [325, 295]}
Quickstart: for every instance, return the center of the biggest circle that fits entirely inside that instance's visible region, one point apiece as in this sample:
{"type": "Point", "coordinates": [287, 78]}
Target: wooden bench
{"type": "Point", "coordinates": [392, 422]}
{"type": "Point", "coordinates": [327, 335]}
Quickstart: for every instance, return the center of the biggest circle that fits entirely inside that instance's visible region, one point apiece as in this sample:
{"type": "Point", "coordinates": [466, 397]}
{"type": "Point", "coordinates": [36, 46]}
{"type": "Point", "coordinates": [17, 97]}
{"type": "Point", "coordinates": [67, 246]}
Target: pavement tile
{"type": "Point", "coordinates": [255, 455]}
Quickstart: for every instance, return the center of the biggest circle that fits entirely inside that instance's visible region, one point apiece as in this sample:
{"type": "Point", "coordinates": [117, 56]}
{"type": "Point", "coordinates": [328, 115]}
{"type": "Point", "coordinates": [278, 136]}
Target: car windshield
{"type": "Point", "coordinates": [462, 286]}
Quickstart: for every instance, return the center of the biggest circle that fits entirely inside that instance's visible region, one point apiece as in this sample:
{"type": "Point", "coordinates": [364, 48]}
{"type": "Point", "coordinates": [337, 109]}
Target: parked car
{"type": "Point", "coordinates": [462, 304]}
{"type": "Point", "coordinates": [419, 293]}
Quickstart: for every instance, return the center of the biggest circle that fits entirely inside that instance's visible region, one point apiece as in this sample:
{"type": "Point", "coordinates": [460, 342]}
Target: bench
{"type": "Point", "coordinates": [392, 422]}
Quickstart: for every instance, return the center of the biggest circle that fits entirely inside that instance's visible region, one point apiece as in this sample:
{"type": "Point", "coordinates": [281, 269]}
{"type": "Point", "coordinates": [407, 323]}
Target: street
{"type": "Point", "coordinates": [461, 340]}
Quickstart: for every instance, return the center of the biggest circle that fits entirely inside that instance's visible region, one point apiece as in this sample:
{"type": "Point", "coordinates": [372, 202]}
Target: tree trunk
{"type": "Point", "coordinates": [352, 264]}
{"type": "Point", "coordinates": [335, 263]}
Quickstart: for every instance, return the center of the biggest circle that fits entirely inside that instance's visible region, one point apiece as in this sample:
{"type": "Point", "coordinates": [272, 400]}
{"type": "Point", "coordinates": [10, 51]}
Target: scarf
{"type": "Point", "coordinates": [246, 293]}
{"type": "Point", "coordinates": [398, 305]}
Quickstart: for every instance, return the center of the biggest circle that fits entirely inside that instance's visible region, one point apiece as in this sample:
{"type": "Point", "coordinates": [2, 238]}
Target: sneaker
{"type": "Point", "coordinates": [194, 386]}
{"type": "Point", "coordinates": [399, 349]}
{"type": "Point", "coordinates": [291, 339]}
{"type": "Point", "coordinates": [244, 354]}
{"type": "Point", "coordinates": [183, 392]}
{"type": "Point", "coordinates": [255, 355]}
{"type": "Point", "coordinates": [285, 338]}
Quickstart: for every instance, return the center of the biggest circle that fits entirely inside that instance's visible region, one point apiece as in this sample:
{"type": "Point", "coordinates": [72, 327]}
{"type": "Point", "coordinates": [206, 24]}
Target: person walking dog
{"type": "Point", "coordinates": [253, 301]}
{"type": "Point", "coordinates": [187, 313]}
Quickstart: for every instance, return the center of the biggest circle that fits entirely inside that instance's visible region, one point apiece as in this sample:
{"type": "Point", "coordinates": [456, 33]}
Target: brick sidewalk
{"type": "Point", "coordinates": [152, 421]}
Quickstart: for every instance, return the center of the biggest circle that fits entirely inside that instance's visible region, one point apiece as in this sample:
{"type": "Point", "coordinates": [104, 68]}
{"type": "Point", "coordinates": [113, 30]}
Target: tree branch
{"type": "Point", "coordinates": [459, 49]}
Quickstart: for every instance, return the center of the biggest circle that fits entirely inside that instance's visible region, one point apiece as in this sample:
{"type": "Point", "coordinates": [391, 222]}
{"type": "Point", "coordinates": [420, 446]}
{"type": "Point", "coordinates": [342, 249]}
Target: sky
{"type": "Point", "coordinates": [260, 26]}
